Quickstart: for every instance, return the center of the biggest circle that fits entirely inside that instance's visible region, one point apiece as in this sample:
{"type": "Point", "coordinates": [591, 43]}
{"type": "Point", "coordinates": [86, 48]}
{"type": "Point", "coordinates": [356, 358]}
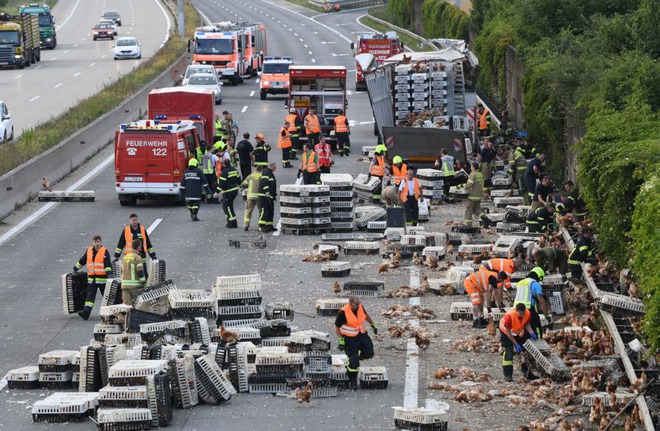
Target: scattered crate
{"type": "Point", "coordinates": [394, 233]}
{"type": "Point", "coordinates": [112, 292]}
{"type": "Point", "coordinates": [270, 383]}
{"type": "Point", "coordinates": [157, 271]}
{"type": "Point", "coordinates": [101, 329]}
{"type": "Point", "coordinates": [66, 196]}
{"type": "Point", "coordinates": [90, 369]}
{"type": "Point", "coordinates": [276, 328]}
{"type": "Point", "coordinates": [558, 302]}
{"type": "Point", "coordinates": [373, 378]}
{"type": "Point", "coordinates": [154, 298]}
{"type": "Point", "coordinates": [56, 361]}
{"type": "Point", "coordinates": [415, 230]}
{"type": "Point", "coordinates": [502, 180]}
{"type": "Point", "coordinates": [622, 398]}
{"type": "Point", "coordinates": [135, 318]}
{"type": "Point", "coordinates": [364, 288]}
{"type": "Point", "coordinates": [123, 397]}
{"type": "Point", "coordinates": [268, 362]}
{"type": "Point", "coordinates": [321, 387]}
{"type": "Point", "coordinates": [134, 372]}
{"type": "Point", "coordinates": [191, 303]}
{"type": "Point", "coordinates": [506, 201]}
{"type": "Point", "coordinates": [114, 314]}
{"type": "Point", "coordinates": [375, 215]}
{"type": "Point", "coordinates": [503, 193]}
{"type": "Point", "coordinates": [546, 359]}
{"type": "Point", "coordinates": [474, 248]}
{"type": "Point", "coordinates": [336, 269]}
{"type": "Point", "coordinates": [74, 291]}
{"type": "Point", "coordinates": [123, 419]}
{"type": "Point", "coordinates": [212, 384]}
{"type": "Point", "coordinates": [58, 380]}
{"type": "Point", "coordinates": [460, 311]}
{"type": "Point", "coordinates": [357, 236]}
{"type": "Point", "coordinates": [465, 229]}
{"type": "Point", "coordinates": [160, 399]}
{"type": "Point", "coordinates": [620, 305]}
{"type": "Point", "coordinates": [199, 331]}
{"type": "Point", "coordinates": [23, 378]}
{"type": "Point", "coordinates": [434, 250]}
{"type": "Point", "coordinates": [413, 240]}
{"type": "Point", "coordinates": [361, 247]}
{"type": "Point", "coordinates": [65, 407]}
{"type": "Point", "coordinates": [317, 363]}
{"type": "Point", "coordinates": [504, 245]}
{"type": "Point", "coordinates": [109, 356]}
{"type": "Point", "coordinates": [440, 285]}
{"type": "Point", "coordinates": [330, 306]}
{"type": "Point", "coordinates": [279, 310]}
{"type": "Point", "coordinates": [183, 381]}
{"type": "Point", "coordinates": [419, 419]}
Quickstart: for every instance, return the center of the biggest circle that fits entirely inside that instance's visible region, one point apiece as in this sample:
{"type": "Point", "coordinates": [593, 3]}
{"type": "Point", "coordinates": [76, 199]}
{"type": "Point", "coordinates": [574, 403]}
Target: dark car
{"type": "Point", "coordinates": [113, 16]}
{"type": "Point", "coordinates": [103, 31]}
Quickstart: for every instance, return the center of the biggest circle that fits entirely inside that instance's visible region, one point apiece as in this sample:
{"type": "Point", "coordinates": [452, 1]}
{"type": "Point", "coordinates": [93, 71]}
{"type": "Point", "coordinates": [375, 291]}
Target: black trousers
{"type": "Point", "coordinates": [228, 207]}
{"type": "Point", "coordinates": [246, 169]}
{"type": "Point", "coordinates": [535, 322]}
{"type": "Point", "coordinates": [343, 142]}
{"type": "Point", "coordinates": [447, 182]}
{"type": "Point", "coordinates": [92, 287]}
{"type": "Point", "coordinates": [266, 216]}
{"type": "Point", "coordinates": [295, 145]}
{"type": "Point", "coordinates": [357, 348]}
{"type": "Point", "coordinates": [313, 139]}
{"type": "Point", "coordinates": [310, 177]}
{"type": "Point", "coordinates": [286, 155]}
{"type": "Point", "coordinates": [212, 180]}
{"type": "Point", "coordinates": [507, 356]}
{"type": "Point", "coordinates": [412, 211]}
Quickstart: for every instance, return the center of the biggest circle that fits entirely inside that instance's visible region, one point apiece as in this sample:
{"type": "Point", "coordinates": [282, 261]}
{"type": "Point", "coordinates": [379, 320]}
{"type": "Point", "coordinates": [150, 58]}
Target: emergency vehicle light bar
{"type": "Point", "coordinates": [161, 117]}
{"type": "Point", "coordinates": [285, 58]}
{"type": "Point", "coordinates": [194, 117]}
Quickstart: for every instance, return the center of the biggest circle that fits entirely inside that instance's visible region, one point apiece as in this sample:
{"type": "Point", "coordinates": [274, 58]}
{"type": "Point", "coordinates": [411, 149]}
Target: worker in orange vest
{"type": "Point", "coordinates": [312, 127]}
{"type": "Point", "coordinates": [99, 267]}
{"type": "Point", "coordinates": [324, 152]}
{"type": "Point", "coordinates": [498, 265]}
{"type": "Point", "coordinates": [483, 121]}
{"type": "Point", "coordinates": [295, 128]}
{"type": "Point", "coordinates": [399, 170]}
{"type": "Point", "coordinates": [515, 329]}
{"type": "Point", "coordinates": [284, 143]}
{"type": "Point", "coordinates": [377, 169]}
{"type": "Point", "coordinates": [308, 165]}
{"type": "Point", "coordinates": [410, 194]}
{"type": "Point", "coordinates": [342, 132]}
{"type": "Point", "coordinates": [478, 285]}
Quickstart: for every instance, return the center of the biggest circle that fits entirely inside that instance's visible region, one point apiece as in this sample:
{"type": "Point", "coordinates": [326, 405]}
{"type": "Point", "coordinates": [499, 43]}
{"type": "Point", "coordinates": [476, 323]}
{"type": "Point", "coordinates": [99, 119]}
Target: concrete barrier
{"type": "Point", "coordinates": [23, 183]}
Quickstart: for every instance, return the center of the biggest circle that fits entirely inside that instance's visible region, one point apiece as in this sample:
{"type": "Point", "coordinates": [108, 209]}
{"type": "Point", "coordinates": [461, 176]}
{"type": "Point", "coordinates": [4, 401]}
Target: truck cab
{"type": "Point", "coordinates": [275, 76]}
{"type": "Point", "coordinates": [150, 159]}
{"type": "Point", "coordinates": [19, 40]}
{"type": "Point", "coordinates": [378, 45]}
{"type": "Point", "coordinates": [47, 32]}
{"type": "Point", "coordinates": [224, 49]}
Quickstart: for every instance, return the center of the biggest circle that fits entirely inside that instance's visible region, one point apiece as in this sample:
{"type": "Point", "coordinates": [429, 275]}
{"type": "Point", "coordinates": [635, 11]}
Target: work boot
{"type": "Point", "coordinates": [195, 218]}
{"type": "Point", "coordinates": [477, 324]}
{"type": "Point", "coordinates": [508, 378]}
{"type": "Point", "coordinates": [483, 321]}
{"type": "Point", "coordinates": [502, 308]}
{"type": "Point", "coordinates": [247, 227]}
{"type": "Point", "coordinates": [85, 312]}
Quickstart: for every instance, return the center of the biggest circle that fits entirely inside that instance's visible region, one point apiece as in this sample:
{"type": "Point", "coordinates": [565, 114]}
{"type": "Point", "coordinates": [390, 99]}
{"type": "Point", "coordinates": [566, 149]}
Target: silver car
{"type": "Point", "coordinates": [196, 68]}
{"type": "Point", "coordinates": [207, 80]}
{"type": "Point", "coordinates": [127, 47]}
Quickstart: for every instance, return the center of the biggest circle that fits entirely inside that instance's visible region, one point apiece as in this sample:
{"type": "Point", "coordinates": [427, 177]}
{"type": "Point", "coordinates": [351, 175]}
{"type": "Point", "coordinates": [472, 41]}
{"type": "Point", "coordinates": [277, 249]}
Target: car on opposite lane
{"type": "Point", "coordinates": [207, 80]}
{"type": "Point", "coordinates": [127, 47]}
{"type": "Point", "coordinates": [113, 16]}
{"type": "Point", "coordinates": [6, 125]}
{"type": "Point", "coordinates": [103, 31]}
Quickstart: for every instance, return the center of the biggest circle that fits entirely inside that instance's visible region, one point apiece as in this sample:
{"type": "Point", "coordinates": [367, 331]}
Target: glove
{"type": "Point", "coordinates": [374, 328]}
{"type": "Point", "coordinates": [548, 317]}
{"type": "Point", "coordinates": [533, 336]}
{"type": "Point", "coordinates": [299, 173]}
{"type": "Point", "coordinates": [518, 348]}
{"type": "Point", "coordinates": [341, 344]}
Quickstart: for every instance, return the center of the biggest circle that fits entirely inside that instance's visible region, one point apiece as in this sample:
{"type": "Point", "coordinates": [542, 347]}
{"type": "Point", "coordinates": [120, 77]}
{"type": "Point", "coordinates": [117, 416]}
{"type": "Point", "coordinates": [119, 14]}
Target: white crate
{"type": "Point", "coordinates": [439, 75]}
{"type": "Point", "coordinates": [296, 221]}
{"type": "Point", "coordinates": [377, 225]}
{"type": "Point", "coordinates": [438, 85]}
{"type": "Point", "coordinates": [337, 180]}
{"type": "Point", "coordinates": [500, 180]}
{"type": "Point", "coordinates": [330, 304]}
{"type": "Point", "coordinates": [439, 94]}
{"type": "Point", "coordinates": [155, 301]}
{"type": "Point", "coordinates": [413, 240]}
{"type": "Point", "coordinates": [276, 342]}
{"type": "Point", "coordinates": [439, 283]}
{"type": "Point", "coordinates": [229, 295]}
{"type": "Point", "coordinates": [238, 280]}
{"type": "Point", "coordinates": [184, 382]}
{"type": "Point", "coordinates": [136, 368]}
{"type": "Point", "coordinates": [394, 233]}
{"type": "Point", "coordinates": [64, 376]}
{"type": "Point", "coordinates": [402, 79]}
{"type": "Point", "coordinates": [57, 357]}
{"type": "Point", "coordinates": [243, 332]}
{"type": "Point", "coordinates": [308, 336]}
{"type": "Point", "coordinates": [102, 328]}
{"type": "Point", "coordinates": [415, 230]}
{"type": "Point", "coordinates": [419, 78]}
{"type": "Point", "coordinates": [114, 313]}
{"type": "Point", "coordinates": [239, 309]}
{"type": "Point", "coordinates": [366, 149]}
{"type": "Point", "coordinates": [622, 398]}
{"type": "Point", "coordinates": [459, 273]}
{"type": "Point", "coordinates": [123, 393]}
{"type": "Point", "coordinates": [364, 246]}
{"type": "Point", "coordinates": [235, 323]}
{"type": "Point", "coordinates": [419, 415]}
{"type": "Point", "coordinates": [402, 88]}
{"type": "Point", "coordinates": [460, 310]}
{"type": "Point", "coordinates": [272, 358]}
{"type": "Point", "coordinates": [504, 245]}
{"type": "Point", "coordinates": [502, 193]}
{"type": "Point", "coordinates": [65, 403]}
{"type": "Point", "coordinates": [372, 373]}
{"type": "Point", "coordinates": [24, 374]}
{"type": "Point", "coordinates": [438, 251]}
{"type": "Point", "coordinates": [129, 340]}
{"type": "Point", "coordinates": [513, 200]}
{"type": "Point", "coordinates": [285, 211]}
{"type": "Point", "coordinates": [336, 266]}
{"type": "Point", "coordinates": [322, 220]}
{"type": "Point", "coordinates": [122, 416]}
{"type": "Point", "coordinates": [474, 248]}
{"type": "Point", "coordinates": [620, 304]}
{"type": "Point", "coordinates": [178, 325]}
{"type": "Point", "coordinates": [401, 97]}
{"type": "Point", "coordinates": [326, 248]}
{"type": "Point", "coordinates": [192, 298]}
{"type": "Point", "coordinates": [212, 383]}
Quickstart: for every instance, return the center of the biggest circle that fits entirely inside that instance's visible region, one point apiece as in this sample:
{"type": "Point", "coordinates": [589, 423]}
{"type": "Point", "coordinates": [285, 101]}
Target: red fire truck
{"type": "Point", "coordinates": [378, 45]}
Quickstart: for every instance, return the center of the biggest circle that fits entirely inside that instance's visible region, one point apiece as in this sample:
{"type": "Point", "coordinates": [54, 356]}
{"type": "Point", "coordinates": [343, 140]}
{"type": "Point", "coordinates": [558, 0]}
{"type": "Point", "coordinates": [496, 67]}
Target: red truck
{"type": "Point", "coordinates": [150, 159]}
{"type": "Point", "coordinates": [322, 88]}
{"type": "Point", "coordinates": [171, 104]}
{"type": "Point", "coordinates": [378, 45]}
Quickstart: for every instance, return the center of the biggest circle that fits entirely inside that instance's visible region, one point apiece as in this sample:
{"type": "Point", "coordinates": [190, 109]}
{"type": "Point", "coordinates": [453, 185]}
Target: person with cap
{"type": "Point", "coordinates": [530, 293]}
{"type": "Point", "coordinates": [583, 249]}
{"type": "Point", "coordinates": [377, 169]}
{"type": "Point", "coordinates": [312, 127]}
{"type": "Point", "coordinates": [261, 151]}
{"type": "Point", "coordinates": [97, 260]}
{"type": "Point", "coordinates": [251, 183]}
{"type": "Point", "coordinates": [342, 132]}
{"type": "Point", "coordinates": [399, 170]}
{"type": "Point", "coordinates": [209, 162]}
{"type": "Point", "coordinates": [542, 219]}
{"type": "Point", "coordinates": [353, 338]}
{"type": "Point", "coordinates": [220, 150]}
{"type": "Point", "coordinates": [284, 143]}
{"type": "Point", "coordinates": [532, 173]}
{"type": "Point", "coordinates": [228, 186]}
{"type": "Point", "coordinates": [574, 202]}
{"type": "Point", "coordinates": [446, 163]}
{"type": "Point", "coordinates": [411, 194]}
{"type": "Point", "coordinates": [551, 259]}
{"type": "Point", "coordinates": [193, 184]}
{"type": "Point", "coordinates": [478, 286]}
{"type": "Point", "coordinates": [323, 151]}
{"type": "Point", "coordinates": [267, 196]}
{"type": "Point", "coordinates": [515, 329]}
{"type": "Point", "coordinates": [509, 266]}
{"type": "Point", "coordinates": [475, 189]}
{"type": "Point", "coordinates": [308, 165]}
{"type": "Point", "coordinates": [245, 155]}
{"type": "Point", "coordinates": [295, 129]}
{"type": "Point", "coordinates": [200, 150]}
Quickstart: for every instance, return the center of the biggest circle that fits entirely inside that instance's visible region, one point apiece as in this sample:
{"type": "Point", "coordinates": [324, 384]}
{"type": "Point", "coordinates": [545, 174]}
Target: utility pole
{"type": "Point", "coordinates": [182, 21]}
{"type": "Point", "coordinates": [417, 16]}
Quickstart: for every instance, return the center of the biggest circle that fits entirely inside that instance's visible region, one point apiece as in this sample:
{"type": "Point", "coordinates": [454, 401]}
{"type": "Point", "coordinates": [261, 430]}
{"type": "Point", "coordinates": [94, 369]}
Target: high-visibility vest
{"type": "Point", "coordinates": [480, 278]}
{"type": "Point", "coordinates": [499, 265]}
{"type": "Point", "coordinates": [340, 124]}
{"type": "Point", "coordinates": [309, 162]}
{"type": "Point", "coordinates": [448, 166]}
{"type": "Point", "coordinates": [325, 154]}
{"type": "Point", "coordinates": [253, 185]}
{"type": "Point", "coordinates": [312, 124]}
{"type": "Point", "coordinates": [517, 324]}
{"type": "Point", "coordinates": [291, 119]}
{"type": "Point", "coordinates": [405, 192]}
{"type": "Point", "coordinates": [218, 167]}
{"type": "Point", "coordinates": [483, 120]}
{"type": "Point", "coordinates": [354, 324]}
{"type": "Point", "coordinates": [218, 128]}
{"type": "Point", "coordinates": [128, 236]}
{"type": "Point", "coordinates": [377, 168]}
{"type": "Point", "coordinates": [400, 174]}
{"type": "Point", "coordinates": [207, 163]}
{"type": "Point", "coordinates": [130, 279]}
{"type": "Point", "coordinates": [524, 293]}
{"type": "Point", "coordinates": [95, 264]}
{"type": "Point", "coordinates": [284, 140]}
{"type": "Point", "coordinates": [476, 187]}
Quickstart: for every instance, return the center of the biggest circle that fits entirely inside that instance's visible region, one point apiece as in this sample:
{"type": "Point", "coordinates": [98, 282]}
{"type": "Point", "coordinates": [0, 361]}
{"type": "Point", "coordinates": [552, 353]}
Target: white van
{"type": "Point", "coordinates": [197, 68]}
{"type": "Point", "coordinates": [6, 125]}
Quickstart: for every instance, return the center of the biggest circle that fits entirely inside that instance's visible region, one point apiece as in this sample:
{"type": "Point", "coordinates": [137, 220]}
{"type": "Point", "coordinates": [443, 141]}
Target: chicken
{"type": "Point", "coordinates": [336, 288]}
{"type": "Point", "coordinates": [383, 267]}
{"type": "Point", "coordinates": [597, 411]}
{"type": "Point", "coordinates": [46, 185]}
{"type": "Point", "coordinates": [448, 290]}
{"type": "Point", "coordinates": [449, 249]}
{"type": "Point", "coordinates": [480, 257]}
{"type": "Point", "coordinates": [422, 339]}
{"type": "Point", "coordinates": [445, 373]}
{"type": "Point", "coordinates": [432, 260]}
{"type": "Point", "coordinates": [397, 256]}
{"type": "Point", "coordinates": [305, 394]}
{"type": "Point", "coordinates": [395, 264]}
{"type": "Point", "coordinates": [228, 337]}
{"type": "Point", "coordinates": [491, 328]}
{"type": "Point", "coordinates": [417, 259]}
{"type": "Point", "coordinates": [424, 286]}
{"type": "Point", "coordinates": [405, 59]}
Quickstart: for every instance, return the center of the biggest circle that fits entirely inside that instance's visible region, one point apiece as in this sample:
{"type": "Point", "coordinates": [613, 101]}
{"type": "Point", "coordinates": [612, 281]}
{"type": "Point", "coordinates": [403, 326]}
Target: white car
{"type": "Point", "coordinates": [127, 47]}
{"type": "Point", "coordinates": [6, 125]}
{"type": "Point", "coordinates": [111, 23]}
{"type": "Point", "coordinates": [196, 68]}
{"type": "Point", "coordinates": [207, 80]}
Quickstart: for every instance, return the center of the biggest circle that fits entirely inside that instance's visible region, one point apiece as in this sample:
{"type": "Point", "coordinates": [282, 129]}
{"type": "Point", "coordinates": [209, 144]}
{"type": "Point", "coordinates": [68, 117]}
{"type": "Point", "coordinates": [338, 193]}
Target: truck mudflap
{"type": "Point", "coordinates": [422, 145]}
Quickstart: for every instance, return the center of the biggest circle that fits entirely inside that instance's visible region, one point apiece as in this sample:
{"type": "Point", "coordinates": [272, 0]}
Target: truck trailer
{"type": "Point", "coordinates": [172, 104]}
{"type": "Point", "coordinates": [47, 32]}
{"type": "Point", "coordinates": [19, 40]}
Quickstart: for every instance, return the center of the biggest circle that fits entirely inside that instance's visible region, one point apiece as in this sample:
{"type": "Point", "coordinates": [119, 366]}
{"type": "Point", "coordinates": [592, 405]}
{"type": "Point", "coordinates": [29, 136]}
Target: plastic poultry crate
{"type": "Point", "coordinates": [108, 356]}
{"type": "Point", "coordinates": [438, 284]}
{"type": "Point", "coordinates": [321, 387]}
{"type": "Point", "coordinates": [376, 226]}
{"type": "Point", "coordinates": [150, 332]}
{"type": "Point", "coordinates": [112, 292]}
{"type": "Point", "coordinates": [277, 328]}
{"type": "Point", "coordinates": [434, 250]}
{"type": "Point", "coordinates": [330, 306]}
{"type": "Point", "coordinates": [157, 271]}
{"type": "Point", "coordinates": [212, 384]}
{"type": "Point", "coordinates": [56, 360]}
{"type": "Point", "coordinates": [199, 331]}
{"type": "Point", "coordinates": [90, 369]}
{"type": "Point", "coordinates": [123, 397]}
{"type": "Point", "coordinates": [279, 362]}
{"type": "Point", "coordinates": [192, 298]}
{"type": "Point", "coordinates": [318, 364]}
{"type": "Point", "coordinates": [279, 310]}
{"type": "Point", "coordinates": [23, 378]}
{"type": "Point", "coordinates": [373, 377]}
{"type": "Point", "coordinates": [558, 302]}
{"type": "Point", "coordinates": [361, 247]}
{"type": "Point", "coordinates": [101, 329]}
{"type": "Point", "coordinates": [239, 312]}
{"type": "Point", "coordinates": [413, 240]}
{"type": "Point", "coordinates": [238, 297]}
{"type": "Point", "coordinates": [129, 372]}
{"type": "Point", "coordinates": [336, 269]}
{"type": "Point", "coordinates": [546, 360]}
{"type": "Point", "coordinates": [123, 419]}
{"type": "Point", "coordinates": [394, 233]}
{"type": "Point", "coordinates": [622, 398]}
{"type": "Point", "coordinates": [474, 248]}
{"type": "Point", "coordinates": [358, 236]}
{"type": "Point", "coordinates": [423, 418]}
{"type": "Point", "coordinates": [620, 305]}
{"type": "Point", "coordinates": [506, 201]}
{"type": "Point", "coordinates": [160, 399]}
{"type": "Point", "coordinates": [65, 407]}
{"type": "Point", "coordinates": [154, 299]}
{"type": "Point", "coordinates": [504, 245]}
{"type": "Point", "coordinates": [136, 317]}
{"type": "Point", "coordinates": [460, 311]}
{"type": "Point", "coordinates": [183, 382]}
{"type": "Point", "coordinates": [375, 215]}
{"type": "Point", "coordinates": [114, 314]}
{"type": "Point", "coordinates": [59, 380]}
{"type": "Point", "coordinates": [224, 282]}
{"type": "Point", "coordinates": [364, 288]}
{"type": "Point", "coordinates": [74, 291]}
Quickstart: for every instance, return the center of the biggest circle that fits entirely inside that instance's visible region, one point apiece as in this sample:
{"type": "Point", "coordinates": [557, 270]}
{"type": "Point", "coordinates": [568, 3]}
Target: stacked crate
{"type": "Point", "coordinates": [305, 209]}
{"type": "Point", "coordinates": [183, 382]}
{"type": "Point", "coordinates": [239, 298]}
{"type": "Point", "coordinates": [55, 369]}
{"type": "Point", "coordinates": [373, 378]}
{"type": "Point", "coordinates": [191, 303]}
{"type": "Point", "coordinates": [364, 187]}
{"type": "Point", "coordinates": [402, 90]}
{"type": "Point", "coordinates": [341, 200]}
{"type": "Point", "coordinates": [157, 271]}
{"type": "Point", "coordinates": [65, 407]}
{"type": "Point", "coordinates": [23, 378]}
{"type": "Point", "coordinates": [439, 95]}
{"type": "Point", "coordinates": [274, 366]}
{"type": "Point", "coordinates": [431, 182]}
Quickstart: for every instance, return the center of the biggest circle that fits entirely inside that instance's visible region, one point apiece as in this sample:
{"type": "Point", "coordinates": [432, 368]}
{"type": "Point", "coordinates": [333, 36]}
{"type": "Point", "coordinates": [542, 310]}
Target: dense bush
{"type": "Point", "coordinates": [442, 20]}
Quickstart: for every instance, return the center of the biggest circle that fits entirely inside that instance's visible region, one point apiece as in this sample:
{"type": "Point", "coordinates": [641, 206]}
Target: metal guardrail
{"type": "Point", "coordinates": [403, 31]}
{"type": "Point", "coordinates": [329, 6]}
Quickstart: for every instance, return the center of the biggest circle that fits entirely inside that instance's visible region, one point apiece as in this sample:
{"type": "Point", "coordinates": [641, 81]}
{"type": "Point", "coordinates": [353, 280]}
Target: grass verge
{"type": "Point", "coordinates": [304, 3]}
{"type": "Point", "coordinates": [408, 41]}
{"type": "Point", "coordinates": [35, 141]}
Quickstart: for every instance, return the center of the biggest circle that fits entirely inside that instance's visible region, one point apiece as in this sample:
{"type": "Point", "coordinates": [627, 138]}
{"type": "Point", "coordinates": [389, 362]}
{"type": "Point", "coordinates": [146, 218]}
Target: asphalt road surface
{"type": "Point", "coordinates": [79, 67]}
{"type": "Point", "coordinates": [31, 317]}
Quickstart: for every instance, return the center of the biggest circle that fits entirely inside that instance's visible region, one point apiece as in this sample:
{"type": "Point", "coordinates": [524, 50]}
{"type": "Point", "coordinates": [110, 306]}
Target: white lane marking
{"type": "Point", "coordinates": [310, 52]}
{"type": "Point", "coordinates": [65, 51]}
{"type": "Point", "coordinates": [279, 22]}
{"type": "Point", "coordinates": [154, 225]}
{"type": "Point", "coordinates": [313, 60]}
{"type": "Point", "coordinates": [251, 93]}
{"type": "Point", "coordinates": [53, 59]}
{"type": "Point", "coordinates": [305, 45]}
{"type": "Point", "coordinates": [300, 38]}
{"type": "Point", "coordinates": [311, 19]}
{"type": "Point", "coordinates": [316, 32]}
{"type": "Point", "coordinates": [290, 29]}
{"type": "Point", "coordinates": [58, 85]}
{"type": "Point", "coordinates": [338, 55]}
{"type": "Point", "coordinates": [169, 22]}
{"type": "Point", "coordinates": [256, 81]}
{"type": "Point", "coordinates": [328, 43]}
{"type": "Point", "coordinates": [279, 228]}
{"type": "Point", "coordinates": [245, 108]}
{"type": "Point", "coordinates": [91, 65]}
{"type": "Point", "coordinates": [34, 98]}
{"type": "Point", "coordinates": [75, 44]}
{"type": "Point", "coordinates": [69, 16]}
{"type": "Point", "coordinates": [295, 34]}
{"type": "Point", "coordinates": [38, 67]}
{"type": "Point", "coordinates": [410, 397]}
{"type": "Point", "coordinates": [303, 25]}
{"type": "Point", "coordinates": [17, 76]}
{"type": "Point", "coordinates": [76, 74]}
{"type": "Point", "coordinates": [44, 209]}
{"type": "Point", "coordinates": [284, 25]}
{"type": "Point", "coordinates": [103, 56]}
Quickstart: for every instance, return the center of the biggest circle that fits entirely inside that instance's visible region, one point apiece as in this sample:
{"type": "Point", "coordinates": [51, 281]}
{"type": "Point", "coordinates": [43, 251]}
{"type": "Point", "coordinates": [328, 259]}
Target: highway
{"type": "Point", "coordinates": [79, 67]}
{"type": "Point", "coordinates": [31, 317]}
